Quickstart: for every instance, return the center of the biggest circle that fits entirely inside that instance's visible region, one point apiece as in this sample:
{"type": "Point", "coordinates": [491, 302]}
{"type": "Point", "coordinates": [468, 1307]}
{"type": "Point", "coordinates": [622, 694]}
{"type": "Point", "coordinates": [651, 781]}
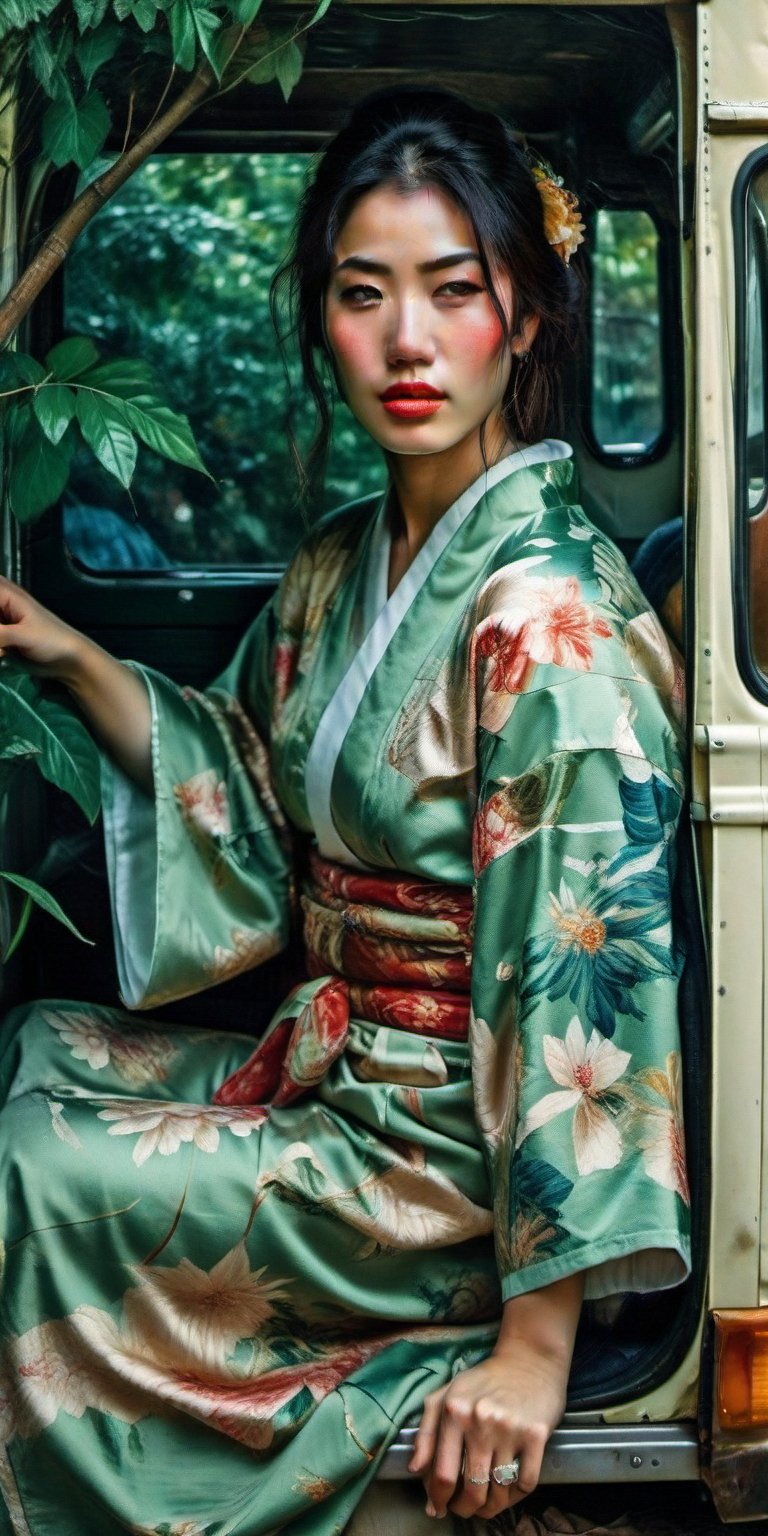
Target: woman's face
{"type": "Point", "coordinates": [418, 346]}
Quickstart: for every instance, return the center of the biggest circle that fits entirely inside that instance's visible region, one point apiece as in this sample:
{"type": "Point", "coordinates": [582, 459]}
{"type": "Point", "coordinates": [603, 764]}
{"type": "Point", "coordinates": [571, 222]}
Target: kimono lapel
{"type": "Point", "coordinates": [345, 702]}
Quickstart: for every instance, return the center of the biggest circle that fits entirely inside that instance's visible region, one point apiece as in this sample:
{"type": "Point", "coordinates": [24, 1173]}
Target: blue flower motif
{"type": "Point", "coordinates": [604, 943]}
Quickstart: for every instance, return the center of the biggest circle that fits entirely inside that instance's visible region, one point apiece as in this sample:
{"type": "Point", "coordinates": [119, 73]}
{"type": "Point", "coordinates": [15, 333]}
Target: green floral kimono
{"type": "Point", "coordinates": [231, 1274]}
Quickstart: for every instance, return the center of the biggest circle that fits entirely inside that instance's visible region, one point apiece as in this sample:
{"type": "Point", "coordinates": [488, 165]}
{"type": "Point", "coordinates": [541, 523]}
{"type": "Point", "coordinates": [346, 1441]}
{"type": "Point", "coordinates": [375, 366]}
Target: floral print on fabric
{"type": "Point", "coordinates": [615, 935]}
{"type": "Point", "coordinates": [587, 1072]}
{"type": "Point", "coordinates": [247, 1254]}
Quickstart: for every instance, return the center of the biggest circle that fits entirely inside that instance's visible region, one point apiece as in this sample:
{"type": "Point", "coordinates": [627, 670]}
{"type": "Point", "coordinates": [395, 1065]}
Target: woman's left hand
{"type": "Point", "coordinates": [501, 1411]}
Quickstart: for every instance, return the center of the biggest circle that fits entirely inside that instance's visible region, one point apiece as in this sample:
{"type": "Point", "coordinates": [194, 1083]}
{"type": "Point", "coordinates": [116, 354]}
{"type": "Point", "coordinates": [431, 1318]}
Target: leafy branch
{"type": "Point", "coordinates": [41, 727]}
{"type": "Point", "coordinates": [77, 120]}
{"type": "Point", "coordinates": [66, 68]}
{"type": "Point", "coordinates": [77, 399]}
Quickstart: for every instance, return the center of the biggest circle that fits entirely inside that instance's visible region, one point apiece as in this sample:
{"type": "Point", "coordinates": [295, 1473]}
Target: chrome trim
{"type": "Point", "coordinates": [595, 1453]}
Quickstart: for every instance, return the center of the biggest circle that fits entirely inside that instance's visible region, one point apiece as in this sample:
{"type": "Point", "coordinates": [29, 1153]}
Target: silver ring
{"type": "Point", "coordinates": [507, 1473]}
{"type": "Point", "coordinates": [478, 1480]}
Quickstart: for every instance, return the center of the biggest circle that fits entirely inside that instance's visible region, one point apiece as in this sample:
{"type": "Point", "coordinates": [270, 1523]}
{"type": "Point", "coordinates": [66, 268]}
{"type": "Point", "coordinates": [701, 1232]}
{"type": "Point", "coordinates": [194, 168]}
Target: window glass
{"type": "Point", "coordinates": [627, 373]}
{"type": "Point", "coordinates": [176, 269]}
{"type": "Point", "coordinates": [756, 447]}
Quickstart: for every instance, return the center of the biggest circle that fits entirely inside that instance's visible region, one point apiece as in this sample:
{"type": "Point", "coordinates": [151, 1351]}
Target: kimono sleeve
{"type": "Point", "coordinates": [199, 875]}
{"type": "Point", "coordinates": [575, 1040]}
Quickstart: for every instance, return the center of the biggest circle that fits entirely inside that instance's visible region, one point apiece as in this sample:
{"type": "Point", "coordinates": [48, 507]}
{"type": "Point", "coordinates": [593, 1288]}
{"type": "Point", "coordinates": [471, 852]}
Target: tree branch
{"type": "Point", "coordinates": [59, 242]}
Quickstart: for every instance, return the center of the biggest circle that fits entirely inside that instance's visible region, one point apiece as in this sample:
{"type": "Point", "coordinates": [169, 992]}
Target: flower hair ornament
{"type": "Point", "coordinates": [563, 226]}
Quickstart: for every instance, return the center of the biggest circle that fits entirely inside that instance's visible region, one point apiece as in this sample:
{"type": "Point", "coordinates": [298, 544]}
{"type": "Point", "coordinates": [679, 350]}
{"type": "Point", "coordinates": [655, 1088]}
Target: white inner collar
{"type": "Point", "coordinates": [384, 615]}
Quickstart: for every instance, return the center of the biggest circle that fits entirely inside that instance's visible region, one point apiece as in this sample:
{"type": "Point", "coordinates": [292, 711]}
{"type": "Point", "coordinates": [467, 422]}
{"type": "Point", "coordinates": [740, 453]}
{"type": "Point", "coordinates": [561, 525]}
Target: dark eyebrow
{"type": "Point", "coordinates": [363, 264]}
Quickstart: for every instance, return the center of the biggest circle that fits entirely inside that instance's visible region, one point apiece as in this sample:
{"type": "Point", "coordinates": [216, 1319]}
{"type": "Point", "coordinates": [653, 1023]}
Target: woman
{"type": "Point", "coordinates": [243, 1270]}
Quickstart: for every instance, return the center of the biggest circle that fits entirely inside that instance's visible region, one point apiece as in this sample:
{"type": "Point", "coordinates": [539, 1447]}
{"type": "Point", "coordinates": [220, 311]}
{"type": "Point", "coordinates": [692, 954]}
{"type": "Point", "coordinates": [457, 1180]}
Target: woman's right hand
{"type": "Point", "coordinates": [113, 698]}
{"type": "Point", "coordinates": [35, 637]}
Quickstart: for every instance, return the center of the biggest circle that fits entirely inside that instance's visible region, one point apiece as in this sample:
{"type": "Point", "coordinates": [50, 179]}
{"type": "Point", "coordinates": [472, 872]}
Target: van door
{"type": "Point", "coordinates": [730, 669]}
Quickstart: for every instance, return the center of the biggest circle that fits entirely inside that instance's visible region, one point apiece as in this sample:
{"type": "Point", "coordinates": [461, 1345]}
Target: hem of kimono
{"type": "Point", "coordinates": [657, 1261]}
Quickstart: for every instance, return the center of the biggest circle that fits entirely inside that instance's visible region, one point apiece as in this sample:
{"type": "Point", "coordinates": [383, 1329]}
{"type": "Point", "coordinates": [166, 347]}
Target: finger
{"type": "Point", "coordinates": [424, 1444]}
{"type": "Point", "coordinates": [449, 1450]}
{"type": "Point", "coordinates": [475, 1482]}
{"type": "Point", "coordinates": [530, 1457]}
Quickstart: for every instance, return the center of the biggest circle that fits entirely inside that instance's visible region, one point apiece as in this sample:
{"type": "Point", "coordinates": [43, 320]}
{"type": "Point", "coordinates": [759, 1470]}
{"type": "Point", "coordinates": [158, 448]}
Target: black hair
{"type": "Point", "coordinates": [409, 138]}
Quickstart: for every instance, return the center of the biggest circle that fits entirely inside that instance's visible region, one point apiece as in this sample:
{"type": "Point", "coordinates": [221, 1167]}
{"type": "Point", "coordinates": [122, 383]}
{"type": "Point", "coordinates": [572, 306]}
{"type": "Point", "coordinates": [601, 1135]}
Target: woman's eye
{"type": "Point", "coordinates": [360, 295]}
{"type": "Point", "coordinates": [458, 289]}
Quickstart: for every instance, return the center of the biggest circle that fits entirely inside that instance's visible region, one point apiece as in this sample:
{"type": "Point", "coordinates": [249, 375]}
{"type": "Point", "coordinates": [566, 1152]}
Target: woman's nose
{"type": "Point", "coordinates": [410, 339]}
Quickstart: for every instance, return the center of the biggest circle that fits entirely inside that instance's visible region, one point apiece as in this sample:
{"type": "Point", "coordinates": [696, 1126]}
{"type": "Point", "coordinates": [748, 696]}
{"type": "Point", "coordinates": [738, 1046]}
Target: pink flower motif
{"type": "Point", "coordinates": [284, 669]}
{"type": "Point", "coordinates": [497, 828]}
{"type": "Point", "coordinates": [204, 803]}
{"type": "Point", "coordinates": [548, 621]}
{"type": "Point", "coordinates": [245, 1411]}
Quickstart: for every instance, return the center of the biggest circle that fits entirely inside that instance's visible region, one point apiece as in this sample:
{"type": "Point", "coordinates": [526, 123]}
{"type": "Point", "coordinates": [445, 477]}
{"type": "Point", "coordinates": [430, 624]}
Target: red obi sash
{"type": "Point", "coordinates": [395, 950]}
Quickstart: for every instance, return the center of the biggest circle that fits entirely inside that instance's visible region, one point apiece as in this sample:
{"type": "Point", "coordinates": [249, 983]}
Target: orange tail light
{"type": "Point", "coordinates": [741, 1368]}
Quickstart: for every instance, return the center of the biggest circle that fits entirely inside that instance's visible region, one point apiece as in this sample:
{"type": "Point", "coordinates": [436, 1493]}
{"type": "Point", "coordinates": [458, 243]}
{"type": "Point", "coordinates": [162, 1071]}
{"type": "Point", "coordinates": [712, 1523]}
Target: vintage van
{"type": "Point", "coordinates": [658, 114]}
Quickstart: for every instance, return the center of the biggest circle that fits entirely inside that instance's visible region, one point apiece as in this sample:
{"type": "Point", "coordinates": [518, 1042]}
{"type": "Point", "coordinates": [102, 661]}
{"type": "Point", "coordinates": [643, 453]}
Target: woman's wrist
{"type": "Point", "coordinates": [78, 663]}
{"type": "Point", "coordinates": [545, 1320]}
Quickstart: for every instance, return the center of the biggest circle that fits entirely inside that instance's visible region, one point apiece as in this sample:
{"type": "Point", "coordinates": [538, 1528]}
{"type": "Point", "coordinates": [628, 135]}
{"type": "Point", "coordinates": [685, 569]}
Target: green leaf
{"type": "Point", "coordinates": [43, 899]}
{"type": "Point", "coordinates": [13, 15]}
{"type": "Point", "coordinates": [319, 13]}
{"type": "Point", "coordinates": [42, 55]}
{"type": "Point", "coordinates": [167, 431]}
{"type": "Point", "coordinates": [21, 928]}
{"type": "Point", "coordinates": [144, 12]}
{"type": "Point", "coordinates": [123, 376]}
{"type": "Point", "coordinates": [54, 407]}
{"type": "Point", "coordinates": [183, 35]}
{"type": "Point", "coordinates": [207, 26]}
{"type": "Point", "coordinates": [288, 66]}
{"type": "Point", "coordinates": [264, 69]}
{"type": "Point", "coordinates": [20, 13]}
{"type": "Point", "coordinates": [103, 425]}
{"type": "Point", "coordinates": [60, 88]}
{"type": "Point", "coordinates": [238, 54]}
{"type": "Point", "coordinates": [75, 130]}
{"type": "Point", "coordinates": [245, 11]}
{"type": "Point", "coordinates": [90, 13]}
{"type": "Point", "coordinates": [39, 470]}
{"type": "Point", "coordinates": [96, 49]}
{"type": "Point", "coordinates": [17, 368]}
{"type": "Point", "coordinates": [68, 359]}
{"type": "Point", "coordinates": [46, 728]}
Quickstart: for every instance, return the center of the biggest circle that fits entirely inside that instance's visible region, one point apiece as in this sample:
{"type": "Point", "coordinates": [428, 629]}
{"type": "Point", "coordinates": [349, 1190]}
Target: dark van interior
{"type": "Point", "coordinates": [177, 268]}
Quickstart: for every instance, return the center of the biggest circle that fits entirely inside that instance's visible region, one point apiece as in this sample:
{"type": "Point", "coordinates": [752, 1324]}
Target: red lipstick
{"type": "Point", "coordinates": [412, 401]}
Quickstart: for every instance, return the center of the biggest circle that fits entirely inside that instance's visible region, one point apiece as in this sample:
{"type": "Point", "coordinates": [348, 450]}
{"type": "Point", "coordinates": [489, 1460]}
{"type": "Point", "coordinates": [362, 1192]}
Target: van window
{"type": "Point", "coordinates": [752, 409]}
{"type": "Point", "coordinates": [627, 375]}
{"type": "Point", "coordinates": [176, 270]}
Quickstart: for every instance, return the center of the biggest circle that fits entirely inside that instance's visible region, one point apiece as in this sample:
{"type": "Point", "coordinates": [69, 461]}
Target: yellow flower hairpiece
{"type": "Point", "coordinates": [563, 225]}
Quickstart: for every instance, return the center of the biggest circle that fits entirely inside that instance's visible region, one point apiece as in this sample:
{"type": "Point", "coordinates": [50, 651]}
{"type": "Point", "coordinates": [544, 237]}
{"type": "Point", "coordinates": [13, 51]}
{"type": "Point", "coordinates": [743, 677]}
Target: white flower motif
{"type": "Point", "coordinates": [138, 1057]}
{"type": "Point", "coordinates": [585, 1070]}
{"type": "Point", "coordinates": [62, 1128]}
{"type": "Point", "coordinates": [63, 1366]}
{"type": "Point", "coordinates": [252, 946]}
{"type": "Point", "coordinates": [84, 1036]}
{"type": "Point", "coordinates": [163, 1127]}
{"type": "Point", "coordinates": [202, 1313]}
{"type": "Point", "coordinates": [663, 1144]}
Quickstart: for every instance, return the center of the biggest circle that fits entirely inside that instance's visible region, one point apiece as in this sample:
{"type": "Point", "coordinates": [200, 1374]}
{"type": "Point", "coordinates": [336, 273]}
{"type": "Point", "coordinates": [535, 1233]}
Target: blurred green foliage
{"type": "Point", "coordinates": [627, 370]}
{"type": "Point", "coordinates": [176, 270]}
